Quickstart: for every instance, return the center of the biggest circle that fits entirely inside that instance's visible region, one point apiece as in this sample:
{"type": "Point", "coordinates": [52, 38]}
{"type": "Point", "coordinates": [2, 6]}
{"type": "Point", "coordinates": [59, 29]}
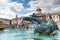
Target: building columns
{"type": "Point", "coordinates": [59, 18]}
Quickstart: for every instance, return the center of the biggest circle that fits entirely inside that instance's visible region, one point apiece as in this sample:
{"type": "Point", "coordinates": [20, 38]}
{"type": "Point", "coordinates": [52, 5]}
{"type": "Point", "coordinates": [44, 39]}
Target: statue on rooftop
{"type": "Point", "coordinates": [34, 15]}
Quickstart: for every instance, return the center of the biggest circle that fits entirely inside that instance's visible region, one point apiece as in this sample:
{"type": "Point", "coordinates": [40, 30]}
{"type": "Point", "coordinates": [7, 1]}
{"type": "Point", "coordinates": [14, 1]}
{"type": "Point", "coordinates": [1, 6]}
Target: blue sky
{"type": "Point", "coordinates": [25, 2]}
{"type": "Point", "coordinates": [25, 5]}
{"type": "Point", "coordinates": [55, 3]}
{"type": "Point", "coordinates": [10, 8]}
{"type": "Point", "coordinates": [46, 5]}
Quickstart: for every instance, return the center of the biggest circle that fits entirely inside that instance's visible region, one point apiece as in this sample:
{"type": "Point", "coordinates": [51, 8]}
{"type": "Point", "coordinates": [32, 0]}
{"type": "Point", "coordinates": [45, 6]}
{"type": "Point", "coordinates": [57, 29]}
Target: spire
{"type": "Point", "coordinates": [16, 16]}
{"type": "Point", "coordinates": [16, 20]}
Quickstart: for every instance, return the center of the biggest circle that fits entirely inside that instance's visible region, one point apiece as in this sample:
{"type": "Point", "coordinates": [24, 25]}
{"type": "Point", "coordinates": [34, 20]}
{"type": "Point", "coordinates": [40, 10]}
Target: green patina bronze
{"type": "Point", "coordinates": [42, 27]}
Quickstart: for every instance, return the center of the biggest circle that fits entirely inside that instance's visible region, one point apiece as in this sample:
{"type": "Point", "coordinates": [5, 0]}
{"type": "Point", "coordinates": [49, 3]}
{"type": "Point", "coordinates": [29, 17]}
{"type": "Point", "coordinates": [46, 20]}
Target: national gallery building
{"type": "Point", "coordinates": [40, 14]}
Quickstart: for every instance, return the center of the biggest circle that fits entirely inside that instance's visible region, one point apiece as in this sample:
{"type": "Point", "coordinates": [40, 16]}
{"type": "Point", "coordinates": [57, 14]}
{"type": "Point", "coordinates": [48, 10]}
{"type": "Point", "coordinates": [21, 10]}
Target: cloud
{"type": "Point", "coordinates": [17, 6]}
{"type": "Point", "coordinates": [9, 9]}
{"type": "Point", "coordinates": [46, 5]}
{"type": "Point", "coordinates": [56, 10]}
{"type": "Point", "coordinates": [27, 14]}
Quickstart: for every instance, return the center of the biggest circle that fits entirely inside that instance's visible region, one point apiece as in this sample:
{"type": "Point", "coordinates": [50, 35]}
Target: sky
{"type": "Point", "coordinates": [10, 8]}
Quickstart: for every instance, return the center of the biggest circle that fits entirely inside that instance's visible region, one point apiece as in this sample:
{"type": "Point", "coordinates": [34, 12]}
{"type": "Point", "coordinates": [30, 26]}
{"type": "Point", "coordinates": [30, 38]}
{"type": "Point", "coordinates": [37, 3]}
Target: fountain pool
{"type": "Point", "coordinates": [23, 34]}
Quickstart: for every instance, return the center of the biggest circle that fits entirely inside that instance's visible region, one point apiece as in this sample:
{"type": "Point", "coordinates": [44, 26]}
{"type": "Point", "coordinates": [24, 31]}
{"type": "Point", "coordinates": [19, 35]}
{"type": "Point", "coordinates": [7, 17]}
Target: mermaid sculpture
{"type": "Point", "coordinates": [42, 27]}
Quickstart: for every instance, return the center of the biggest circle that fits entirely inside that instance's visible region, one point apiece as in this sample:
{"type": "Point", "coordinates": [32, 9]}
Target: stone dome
{"type": "Point", "coordinates": [38, 9]}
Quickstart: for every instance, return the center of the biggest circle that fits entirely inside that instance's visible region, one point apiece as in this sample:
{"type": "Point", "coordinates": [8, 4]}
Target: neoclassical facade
{"type": "Point", "coordinates": [5, 21]}
{"type": "Point", "coordinates": [41, 15]}
{"type": "Point", "coordinates": [19, 20]}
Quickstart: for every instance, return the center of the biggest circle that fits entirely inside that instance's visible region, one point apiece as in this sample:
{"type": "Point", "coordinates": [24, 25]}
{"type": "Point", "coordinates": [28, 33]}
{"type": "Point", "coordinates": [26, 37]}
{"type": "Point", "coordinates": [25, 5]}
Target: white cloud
{"type": "Point", "coordinates": [9, 9]}
{"type": "Point", "coordinates": [7, 13]}
{"type": "Point", "coordinates": [27, 14]}
{"type": "Point", "coordinates": [17, 6]}
{"type": "Point", "coordinates": [56, 10]}
{"type": "Point", "coordinates": [33, 4]}
{"type": "Point", "coordinates": [46, 5]}
{"type": "Point", "coordinates": [30, 13]}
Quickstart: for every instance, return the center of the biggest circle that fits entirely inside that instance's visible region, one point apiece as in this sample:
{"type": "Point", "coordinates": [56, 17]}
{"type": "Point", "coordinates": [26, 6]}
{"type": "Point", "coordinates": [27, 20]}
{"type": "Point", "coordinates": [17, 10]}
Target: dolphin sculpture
{"type": "Point", "coordinates": [42, 27]}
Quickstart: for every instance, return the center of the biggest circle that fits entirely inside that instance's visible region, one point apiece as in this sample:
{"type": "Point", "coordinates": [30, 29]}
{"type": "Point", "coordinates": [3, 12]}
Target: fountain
{"type": "Point", "coordinates": [42, 27]}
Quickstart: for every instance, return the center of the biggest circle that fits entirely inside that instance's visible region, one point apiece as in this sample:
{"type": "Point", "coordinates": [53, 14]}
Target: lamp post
{"type": "Point", "coordinates": [10, 23]}
{"type": "Point", "coordinates": [16, 20]}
